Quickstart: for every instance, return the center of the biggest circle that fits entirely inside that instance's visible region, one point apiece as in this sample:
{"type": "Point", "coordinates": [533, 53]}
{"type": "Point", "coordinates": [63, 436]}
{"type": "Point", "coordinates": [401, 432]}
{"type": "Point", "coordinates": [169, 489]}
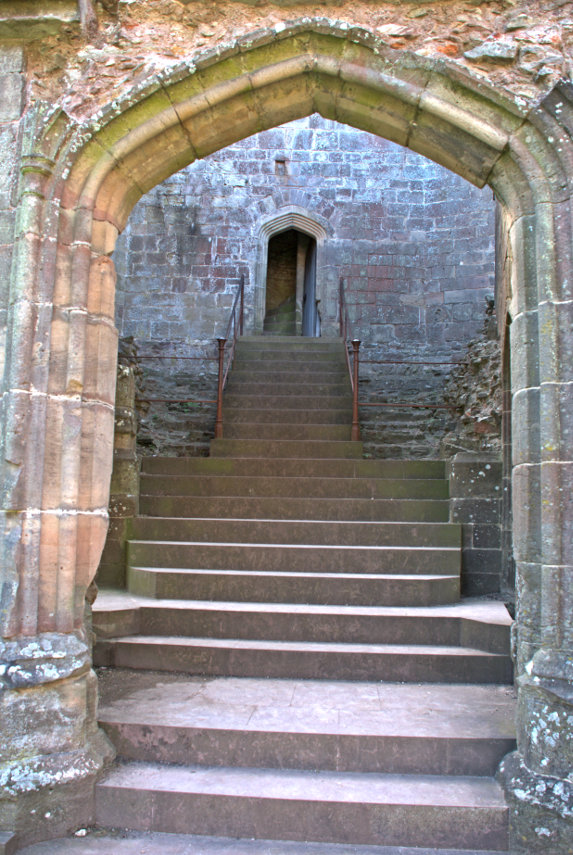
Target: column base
{"type": "Point", "coordinates": [52, 750]}
{"type": "Point", "coordinates": [540, 807]}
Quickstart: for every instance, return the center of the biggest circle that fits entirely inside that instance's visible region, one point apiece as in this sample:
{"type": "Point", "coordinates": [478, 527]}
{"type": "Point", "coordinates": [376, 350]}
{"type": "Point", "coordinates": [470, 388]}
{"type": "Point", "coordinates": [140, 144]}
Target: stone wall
{"type": "Point", "coordinates": [413, 242]}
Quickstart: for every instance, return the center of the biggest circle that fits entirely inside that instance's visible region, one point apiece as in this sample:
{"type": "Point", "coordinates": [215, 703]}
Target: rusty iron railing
{"type": "Point", "coordinates": [233, 331]}
{"type": "Point", "coordinates": [353, 344]}
{"type": "Point", "coordinates": [353, 369]}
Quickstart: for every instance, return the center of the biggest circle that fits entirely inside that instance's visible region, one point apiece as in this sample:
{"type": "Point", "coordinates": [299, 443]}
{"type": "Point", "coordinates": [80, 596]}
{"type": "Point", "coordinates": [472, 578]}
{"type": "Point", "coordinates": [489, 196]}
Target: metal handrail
{"type": "Point", "coordinates": [354, 369]}
{"type": "Point", "coordinates": [233, 331]}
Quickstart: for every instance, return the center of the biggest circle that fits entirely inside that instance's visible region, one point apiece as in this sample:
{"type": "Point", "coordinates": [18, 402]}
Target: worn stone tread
{"type": "Point", "coordinates": [97, 842]}
{"type": "Point", "coordinates": [285, 803]}
{"type": "Point", "coordinates": [299, 586]}
{"type": "Point", "coordinates": [312, 786]}
{"type": "Point", "coordinates": [409, 650]}
{"type": "Point", "coordinates": [309, 707]}
{"type": "Point", "coordinates": [330, 533]}
{"type": "Point", "coordinates": [336, 468]}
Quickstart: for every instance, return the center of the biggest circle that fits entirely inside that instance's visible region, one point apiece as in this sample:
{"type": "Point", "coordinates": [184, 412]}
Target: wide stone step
{"type": "Point", "coordinates": [285, 448]}
{"type": "Point", "coordinates": [415, 510]}
{"type": "Point", "coordinates": [255, 430]}
{"type": "Point", "coordinates": [357, 468]}
{"type": "Point", "coordinates": [287, 357]}
{"type": "Point", "coordinates": [98, 841]}
{"type": "Point", "coordinates": [413, 536]}
{"type": "Point", "coordinates": [239, 415]}
{"type": "Point", "coordinates": [302, 388]}
{"type": "Point", "coordinates": [287, 557]}
{"type": "Point", "coordinates": [335, 807]}
{"type": "Point", "coordinates": [267, 372]}
{"type": "Point", "coordinates": [304, 660]}
{"type": "Point", "coordinates": [276, 400]}
{"type": "Point", "coordinates": [281, 347]}
{"type": "Point", "coordinates": [442, 625]}
{"type": "Point", "coordinates": [429, 729]}
{"type": "Point", "coordinates": [298, 587]}
{"type": "Point", "coordinates": [290, 487]}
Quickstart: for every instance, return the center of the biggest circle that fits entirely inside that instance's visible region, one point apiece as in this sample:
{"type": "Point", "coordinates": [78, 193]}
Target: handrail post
{"type": "Point", "coordinates": [219, 419]}
{"type": "Point", "coordinates": [355, 432]}
{"type": "Point", "coordinates": [242, 307]}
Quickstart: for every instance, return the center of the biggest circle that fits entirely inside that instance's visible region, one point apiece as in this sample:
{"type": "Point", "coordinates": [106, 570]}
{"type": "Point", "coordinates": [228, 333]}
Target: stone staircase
{"type": "Point", "coordinates": [291, 661]}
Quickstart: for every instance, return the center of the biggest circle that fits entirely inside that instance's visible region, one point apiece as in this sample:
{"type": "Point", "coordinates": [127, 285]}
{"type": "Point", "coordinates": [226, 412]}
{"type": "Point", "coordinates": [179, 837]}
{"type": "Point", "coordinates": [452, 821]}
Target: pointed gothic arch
{"type": "Point", "coordinates": [285, 218]}
{"type": "Point", "coordinates": [78, 186]}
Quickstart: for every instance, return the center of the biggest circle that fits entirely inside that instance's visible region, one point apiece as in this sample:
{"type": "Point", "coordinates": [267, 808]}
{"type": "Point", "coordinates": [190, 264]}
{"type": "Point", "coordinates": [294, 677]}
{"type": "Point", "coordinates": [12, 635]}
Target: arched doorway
{"type": "Point", "coordinates": [79, 185]}
{"type": "Point", "coordinates": [291, 304]}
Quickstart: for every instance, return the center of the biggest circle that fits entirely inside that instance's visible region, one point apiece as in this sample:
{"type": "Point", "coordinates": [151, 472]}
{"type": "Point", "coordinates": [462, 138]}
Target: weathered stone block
{"type": "Point", "coordinates": [475, 478]}
{"type": "Point", "coordinates": [556, 512]}
{"type": "Point", "coordinates": [526, 430]}
{"type": "Point", "coordinates": [11, 59]}
{"type": "Point", "coordinates": [540, 808]}
{"type": "Point", "coordinates": [96, 456]}
{"type": "Point", "coordinates": [11, 96]}
{"type": "Point", "coordinates": [526, 500]}
{"type": "Point", "coordinates": [524, 351]}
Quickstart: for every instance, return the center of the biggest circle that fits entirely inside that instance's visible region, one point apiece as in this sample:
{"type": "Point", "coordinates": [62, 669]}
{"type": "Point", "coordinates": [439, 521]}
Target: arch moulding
{"type": "Point", "coordinates": [78, 186]}
{"type": "Point", "coordinates": [286, 217]}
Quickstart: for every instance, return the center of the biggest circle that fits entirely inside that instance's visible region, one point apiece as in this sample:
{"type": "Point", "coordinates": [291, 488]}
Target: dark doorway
{"type": "Point", "coordinates": [291, 306]}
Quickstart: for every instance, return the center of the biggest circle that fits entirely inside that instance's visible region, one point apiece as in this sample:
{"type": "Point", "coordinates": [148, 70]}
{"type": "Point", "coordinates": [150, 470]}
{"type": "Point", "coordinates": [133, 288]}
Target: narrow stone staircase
{"type": "Point", "coordinates": [291, 660]}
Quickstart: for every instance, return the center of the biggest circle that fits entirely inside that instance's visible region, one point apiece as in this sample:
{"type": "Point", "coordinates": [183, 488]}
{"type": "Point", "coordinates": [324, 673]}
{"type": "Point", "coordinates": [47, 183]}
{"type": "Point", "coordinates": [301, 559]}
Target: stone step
{"type": "Point", "coordinates": [260, 368]}
{"type": "Point", "coordinates": [304, 660]}
{"type": "Point", "coordinates": [393, 728]}
{"type": "Point", "coordinates": [266, 371]}
{"type": "Point", "coordinates": [295, 587]}
{"type": "Point", "coordinates": [238, 415]}
{"type": "Point", "coordinates": [276, 400]}
{"type": "Point", "coordinates": [303, 388]}
{"type": "Point", "coordinates": [287, 557]}
{"type": "Point", "coordinates": [289, 344]}
{"type": "Point", "coordinates": [98, 841]}
{"type": "Point", "coordinates": [344, 624]}
{"type": "Point", "coordinates": [255, 430]}
{"type": "Point", "coordinates": [282, 354]}
{"type": "Point", "coordinates": [394, 535]}
{"type": "Point", "coordinates": [317, 342]}
{"type": "Point", "coordinates": [336, 807]}
{"type": "Point", "coordinates": [415, 510]}
{"type": "Point", "coordinates": [312, 448]}
{"type": "Point", "coordinates": [291, 487]}
{"type": "Point", "coordinates": [310, 369]}
{"type": "Point", "coordinates": [357, 468]}
{"type": "Point", "coordinates": [289, 363]}
{"type": "Point", "coordinates": [105, 841]}
{"type": "Point", "coordinates": [281, 325]}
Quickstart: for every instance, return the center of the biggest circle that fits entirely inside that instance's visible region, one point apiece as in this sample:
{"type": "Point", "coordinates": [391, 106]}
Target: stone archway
{"type": "Point", "coordinates": [289, 217]}
{"type": "Point", "coordinates": [78, 187]}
